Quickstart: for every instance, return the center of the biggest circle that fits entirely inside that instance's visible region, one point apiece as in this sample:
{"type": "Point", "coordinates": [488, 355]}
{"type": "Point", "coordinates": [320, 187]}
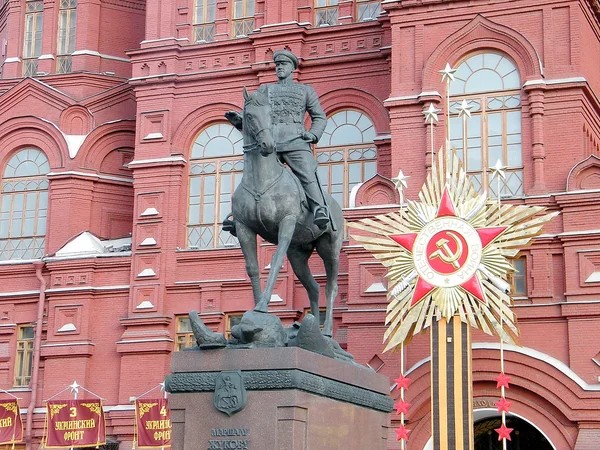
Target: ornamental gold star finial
{"type": "Point", "coordinates": [401, 184]}
{"type": "Point", "coordinates": [400, 180]}
{"type": "Point", "coordinates": [448, 254]}
{"type": "Point", "coordinates": [74, 387]}
{"type": "Point", "coordinates": [447, 73]}
{"type": "Point", "coordinates": [431, 114]}
{"type": "Point", "coordinates": [464, 110]}
{"type": "Point", "coordinates": [498, 170]}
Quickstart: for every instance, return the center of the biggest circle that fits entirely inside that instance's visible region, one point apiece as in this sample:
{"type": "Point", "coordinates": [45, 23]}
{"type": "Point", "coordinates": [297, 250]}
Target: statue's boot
{"type": "Point", "coordinates": [321, 216]}
{"type": "Point", "coordinates": [205, 337]}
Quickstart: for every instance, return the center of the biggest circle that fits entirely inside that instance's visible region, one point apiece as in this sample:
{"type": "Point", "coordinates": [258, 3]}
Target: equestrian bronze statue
{"type": "Point", "coordinates": [285, 207]}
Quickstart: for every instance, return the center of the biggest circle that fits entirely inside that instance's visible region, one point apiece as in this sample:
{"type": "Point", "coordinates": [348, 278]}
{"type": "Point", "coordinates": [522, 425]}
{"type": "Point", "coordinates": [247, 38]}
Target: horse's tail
{"type": "Point", "coordinates": [229, 224]}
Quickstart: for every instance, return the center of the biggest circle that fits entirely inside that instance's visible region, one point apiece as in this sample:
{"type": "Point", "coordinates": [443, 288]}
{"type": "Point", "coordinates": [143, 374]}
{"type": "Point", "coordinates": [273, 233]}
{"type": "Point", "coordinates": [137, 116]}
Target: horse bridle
{"type": "Point", "coordinates": [256, 134]}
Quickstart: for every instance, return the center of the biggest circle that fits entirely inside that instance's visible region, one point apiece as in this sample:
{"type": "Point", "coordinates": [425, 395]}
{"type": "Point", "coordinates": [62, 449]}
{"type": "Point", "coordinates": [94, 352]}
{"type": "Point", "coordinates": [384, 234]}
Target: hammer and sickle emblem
{"type": "Point", "coordinates": [445, 253]}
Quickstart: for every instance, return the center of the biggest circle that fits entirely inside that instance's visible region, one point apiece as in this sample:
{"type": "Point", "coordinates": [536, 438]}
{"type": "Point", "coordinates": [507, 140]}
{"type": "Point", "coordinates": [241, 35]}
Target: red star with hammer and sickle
{"type": "Point", "coordinates": [401, 407]}
{"type": "Point", "coordinates": [402, 433]}
{"type": "Point", "coordinates": [502, 380]}
{"type": "Point", "coordinates": [402, 382]}
{"type": "Point", "coordinates": [503, 432]}
{"type": "Point", "coordinates": [471, 285]}
{"type": "Point", "coordinates": [502, 404]}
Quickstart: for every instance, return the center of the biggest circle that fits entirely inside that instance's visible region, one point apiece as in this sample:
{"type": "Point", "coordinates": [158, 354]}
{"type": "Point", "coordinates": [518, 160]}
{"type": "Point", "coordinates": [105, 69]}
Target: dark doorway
{"type": "Point", "coordinates": [524, 435]}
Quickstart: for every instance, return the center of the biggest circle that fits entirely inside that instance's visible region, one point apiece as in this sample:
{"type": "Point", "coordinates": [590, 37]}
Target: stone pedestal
{"type": "Point", "coordinates": [296, 400]}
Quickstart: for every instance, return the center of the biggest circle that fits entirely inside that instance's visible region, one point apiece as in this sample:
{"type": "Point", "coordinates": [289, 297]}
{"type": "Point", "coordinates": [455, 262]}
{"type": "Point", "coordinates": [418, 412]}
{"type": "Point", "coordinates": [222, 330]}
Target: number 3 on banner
{"type": "Point", "coordinates": [73, 411]}
{"type": "Point", "coordinates": [163, 411]}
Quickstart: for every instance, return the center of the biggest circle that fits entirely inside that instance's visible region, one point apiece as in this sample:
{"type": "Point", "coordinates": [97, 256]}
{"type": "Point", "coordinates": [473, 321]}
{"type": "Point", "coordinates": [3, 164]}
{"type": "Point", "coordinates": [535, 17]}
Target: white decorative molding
{"type": "Point", "coordinates": [147, 272]}
{"type": "Point", "coordinates": [150, 212]}
{"type": "Point", "coordinates": [593, 278]}
{"type": "Point", "coordinates": [91, 175]}
{"type": "Point", "coordinates": [146, 304]}
{"type": "Point", "coordinates": [95, 53]}
{"type": "Point", "coordinates": [153, 136]}
{"type": "Point", "coordinates": [148, 241]}
{"type": "Point", "coordinates": [138, 162]}
{"type": "Point", "coordinates": [74, 142]}
{"type": "Point", "coordinates": [67, 327]}
{"type": "Point", "coordinates": [376, 287]}
{"type": "Point", "coordinates": [275, 298]}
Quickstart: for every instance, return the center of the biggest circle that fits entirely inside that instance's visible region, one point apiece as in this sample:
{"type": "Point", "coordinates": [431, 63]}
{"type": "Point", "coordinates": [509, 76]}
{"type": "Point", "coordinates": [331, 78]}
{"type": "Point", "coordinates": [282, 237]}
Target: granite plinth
{"type": "Point", "coordinates": [296, 400]}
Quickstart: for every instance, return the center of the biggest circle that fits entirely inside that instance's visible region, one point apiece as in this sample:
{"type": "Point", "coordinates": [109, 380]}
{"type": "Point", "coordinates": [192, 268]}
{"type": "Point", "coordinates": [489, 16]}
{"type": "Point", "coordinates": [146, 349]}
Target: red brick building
{"type": "Point", "coordinates": [117, 167]}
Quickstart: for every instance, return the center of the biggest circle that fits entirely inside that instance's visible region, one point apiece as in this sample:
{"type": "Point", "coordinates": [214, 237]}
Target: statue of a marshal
{"type": "Point", "coordinates": [289, 103]}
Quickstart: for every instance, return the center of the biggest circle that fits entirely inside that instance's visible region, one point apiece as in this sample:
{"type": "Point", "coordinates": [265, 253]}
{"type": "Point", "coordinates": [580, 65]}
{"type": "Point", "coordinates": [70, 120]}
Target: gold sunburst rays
{"type": "Point", "coordinates": [481, 300]}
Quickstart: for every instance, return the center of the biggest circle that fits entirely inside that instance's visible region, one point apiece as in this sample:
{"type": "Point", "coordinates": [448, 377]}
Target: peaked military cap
{"type": "Point", "coordinates": [285, 54]}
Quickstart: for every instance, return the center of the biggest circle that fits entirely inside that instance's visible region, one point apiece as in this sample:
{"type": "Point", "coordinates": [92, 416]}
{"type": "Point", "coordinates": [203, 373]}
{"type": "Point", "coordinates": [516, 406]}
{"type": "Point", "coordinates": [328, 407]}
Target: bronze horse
{"type": "Point", "coordinates": [270, 202]}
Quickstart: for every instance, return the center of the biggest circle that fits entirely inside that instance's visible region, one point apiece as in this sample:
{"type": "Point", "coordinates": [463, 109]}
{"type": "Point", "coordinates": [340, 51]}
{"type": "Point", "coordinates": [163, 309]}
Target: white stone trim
{"type": "Point", "coordinates": [149, 212]}
{"type": "Point", "coordinates": [68, 344]}
{"type": "Point", "coordinates": [90, 175]}
{"type": "Point", "coordinates": [555, 81]}
{"type": "Point", "coordinates": [14, 262]}
{"type": "Point", "coordinates": [147, 272]}
{"type": "Point", "coordinates": [95, 53]}
{"type": "Point", "coordinates": [74, 142]}
{"type": "Point", "coordinates": [146, 304]}
{"type": "Point", "coordinates": [67, 327]}
{"type": "Point", "coordinates": [172, 38]}
{"type": "Point", "coordinates": [414, 97]}
{"type": "Point", "coordinates": [18, 293]}
{"type": "Point", "coordinates": [12, 59]}
{"type": "Point", "coordinates": [84, 288]}
{"type": "Point", "coordinates": [138, 162]}
{"type": "Point", "coordinates": [139, 341]}
{"type": "Point", "coordinates": [153, 136]}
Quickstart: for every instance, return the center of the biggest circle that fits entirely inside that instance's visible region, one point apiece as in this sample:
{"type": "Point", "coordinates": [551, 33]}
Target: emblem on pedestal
{"type": "Point", "coordinates": [230, 394]}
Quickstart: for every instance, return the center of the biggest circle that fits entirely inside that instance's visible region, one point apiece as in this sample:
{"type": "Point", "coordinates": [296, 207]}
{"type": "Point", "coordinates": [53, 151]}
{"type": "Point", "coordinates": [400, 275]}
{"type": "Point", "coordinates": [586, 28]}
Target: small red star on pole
{"type": "Point", "coordinates": [503, 405]}
{"type": "Point", "coordinates": [402, 433]}
{"type": "Point", "coordinates": [502, 380]}
{"type": "Point", "coordinates": [401, 407]}
{"type": "Point", "coordinates": [402, 382]}
{"type": "Point", "coordinates": [503, 432]}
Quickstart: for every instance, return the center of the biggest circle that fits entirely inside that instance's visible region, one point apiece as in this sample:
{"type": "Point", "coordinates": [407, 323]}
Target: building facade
{"type": "Point", "coordinates": [117, 168]}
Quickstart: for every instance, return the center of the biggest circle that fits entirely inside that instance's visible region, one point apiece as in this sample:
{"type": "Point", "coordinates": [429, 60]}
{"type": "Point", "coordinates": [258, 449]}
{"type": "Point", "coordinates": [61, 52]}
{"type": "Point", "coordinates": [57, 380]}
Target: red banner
{"type": "Point", "coordinates": [153, 423]}
{"type": "Point", "coordinates": [75, 423]}
{"type": "Point", "coordinates": [11, 426]}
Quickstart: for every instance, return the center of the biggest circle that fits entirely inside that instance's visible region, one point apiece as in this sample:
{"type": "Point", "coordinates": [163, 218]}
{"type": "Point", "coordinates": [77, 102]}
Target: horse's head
{"type": "Point", "coordinates": [257, 121]}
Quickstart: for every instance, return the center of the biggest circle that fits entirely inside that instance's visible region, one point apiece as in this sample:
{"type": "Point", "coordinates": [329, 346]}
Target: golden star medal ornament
{"type": "Point", "coordinates": [449, 254]}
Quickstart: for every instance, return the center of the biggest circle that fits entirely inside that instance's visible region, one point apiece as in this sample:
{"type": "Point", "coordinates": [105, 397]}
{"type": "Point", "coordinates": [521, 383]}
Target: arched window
{"type": "Point", "coordinates": [491, 85]}
{"type": "Point", "coordinates": [346, 154]}
{"type": "Point", "coordinates": [24, 205]}
{"type": "Point", "coordinates": [216, 165]}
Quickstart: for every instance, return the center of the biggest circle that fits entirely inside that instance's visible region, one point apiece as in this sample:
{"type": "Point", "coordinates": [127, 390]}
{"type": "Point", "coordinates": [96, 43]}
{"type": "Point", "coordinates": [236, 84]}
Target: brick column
{"type": "Point", "coordinates": [87, 39]}
{"type": "Point", "coordinates": [536, 113]}
{"type": "Point", "coordinates": [47, 61]}
{"type": "Point", "coordinates": [222, 22]}
{"type": "Point", "coordinates": [14, 47]}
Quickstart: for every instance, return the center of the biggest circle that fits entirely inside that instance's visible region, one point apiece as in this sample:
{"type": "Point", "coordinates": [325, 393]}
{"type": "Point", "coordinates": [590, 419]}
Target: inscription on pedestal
{"type": "Point", "coordinates": [235, 438]}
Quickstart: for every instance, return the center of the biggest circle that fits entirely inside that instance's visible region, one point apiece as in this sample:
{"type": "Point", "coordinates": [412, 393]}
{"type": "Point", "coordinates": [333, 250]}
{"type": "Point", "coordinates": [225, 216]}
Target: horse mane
{"type": "Point", "coordinates": [257, 98]}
